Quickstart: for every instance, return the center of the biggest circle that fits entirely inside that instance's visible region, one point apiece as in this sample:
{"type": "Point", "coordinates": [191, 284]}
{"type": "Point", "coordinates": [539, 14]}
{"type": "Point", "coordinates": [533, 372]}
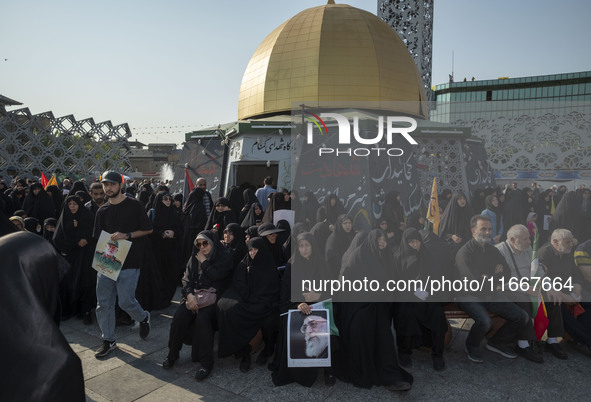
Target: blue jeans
{"type": "Point", "coordinates": [106, 292]}
{"type": "Point", "coordinates": [516, 318]}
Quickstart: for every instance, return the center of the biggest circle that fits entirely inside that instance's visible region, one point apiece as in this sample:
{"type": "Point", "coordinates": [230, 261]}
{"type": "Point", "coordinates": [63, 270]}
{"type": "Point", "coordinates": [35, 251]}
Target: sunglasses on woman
{"type": "Point", "coordinates": [200, 244]}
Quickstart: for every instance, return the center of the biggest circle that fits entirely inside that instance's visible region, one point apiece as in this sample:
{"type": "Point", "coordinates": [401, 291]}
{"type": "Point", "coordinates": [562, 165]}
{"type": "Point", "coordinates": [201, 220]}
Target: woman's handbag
{"type": "Point", "coordinates": [205, 297]}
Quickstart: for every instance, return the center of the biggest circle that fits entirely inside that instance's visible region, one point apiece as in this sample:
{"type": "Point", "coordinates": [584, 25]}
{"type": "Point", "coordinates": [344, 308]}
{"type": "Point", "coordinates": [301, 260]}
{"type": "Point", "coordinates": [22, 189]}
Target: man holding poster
{"type": "Point", "coordinates": [123, 218]}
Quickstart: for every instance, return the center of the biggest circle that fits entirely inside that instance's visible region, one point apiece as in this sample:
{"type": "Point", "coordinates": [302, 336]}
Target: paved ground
{"type": "Point", "coordinates": [134, 373]}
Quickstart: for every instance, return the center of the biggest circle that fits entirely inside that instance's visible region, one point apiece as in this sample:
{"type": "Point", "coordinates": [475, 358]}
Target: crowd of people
{"type": "Point", "coordinates": [235, 264]}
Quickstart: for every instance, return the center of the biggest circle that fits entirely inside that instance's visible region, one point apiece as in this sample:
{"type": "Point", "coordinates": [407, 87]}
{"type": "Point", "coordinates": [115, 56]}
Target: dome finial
{"type": "Point", "coordinates": [330, 2]}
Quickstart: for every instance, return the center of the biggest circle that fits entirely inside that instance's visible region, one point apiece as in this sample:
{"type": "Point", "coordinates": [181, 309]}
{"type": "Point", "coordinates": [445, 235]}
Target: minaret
{"type": "Point", "coordinates": [413, 21]}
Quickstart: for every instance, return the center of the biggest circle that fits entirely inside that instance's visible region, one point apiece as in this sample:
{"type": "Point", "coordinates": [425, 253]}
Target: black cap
{"type": "Point", "coordinates": [111, 176]}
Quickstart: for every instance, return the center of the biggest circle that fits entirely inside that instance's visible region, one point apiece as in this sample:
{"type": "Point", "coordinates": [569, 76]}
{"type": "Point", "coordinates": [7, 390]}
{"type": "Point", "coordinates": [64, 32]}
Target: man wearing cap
{"type": "Point", "coordinates": [124, 218]}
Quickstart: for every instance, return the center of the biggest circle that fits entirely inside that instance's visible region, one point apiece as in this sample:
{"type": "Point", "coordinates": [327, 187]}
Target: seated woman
{"type": "Point", "coordinates": [210, 266]}
{"type": "Point", "coordinates": [367, 353]}
{"type": "Point", "coordinates": [454, 226]}
{"type": "Point", "coordinates": [234, 243]}
{"type": "Point", "coordinates": [338, 242]}
{"type": "Point", "coordinates": [250, 304]}
{"type": "Point", "coordinates": [416, 313]}
{"type": "Point", "coordinates": [308, 264]}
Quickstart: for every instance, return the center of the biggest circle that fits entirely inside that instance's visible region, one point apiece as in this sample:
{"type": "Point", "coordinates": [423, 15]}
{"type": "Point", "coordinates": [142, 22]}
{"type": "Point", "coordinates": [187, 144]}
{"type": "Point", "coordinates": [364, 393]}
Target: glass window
{"type": "Point", "coordinates": [569, 89]}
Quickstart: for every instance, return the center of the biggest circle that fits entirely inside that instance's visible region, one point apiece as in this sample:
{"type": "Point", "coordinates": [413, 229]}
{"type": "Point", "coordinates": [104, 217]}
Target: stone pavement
{"type": "Point", "coordinates": [134, 373]}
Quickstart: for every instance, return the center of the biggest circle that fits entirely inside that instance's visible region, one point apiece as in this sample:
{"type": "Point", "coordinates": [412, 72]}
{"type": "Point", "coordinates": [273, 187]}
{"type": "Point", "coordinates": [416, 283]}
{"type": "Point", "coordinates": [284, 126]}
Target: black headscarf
{"type": "Point", "coordinates": [235, 199]}
{"type": "Point", "coordinates": [392, 210]}
{"type": "Point", "coordinates": [237, 247]}
{"type": "Point", "coordinates": [312, 268]}
{"type": "Point", "coordinates": [158, 189]}
{"type": "Point", "coordinates": [478, 200]}
{"type": "Point", "coordinates": [321, 232]}
{"type": "Point", "coordinates": [194, 210]}
{"type": "Point", "coordinates": [83, 195]}
{"type": "Point", "coordinates": [38, 206]}
{"type": "Point", "coordinates": [67, 235]}
{"type": "Point", "coordinates": [489, 205]}
{"type": "Point", "coordinates": [178, 197]}
{"type": "Point", "coordinates": [31, 224]}
{"type": "Point", "coordinates": [252, 232]}
{"type": "Point", "coordinates": [57, 197]}
{"type": "Point", "coordinates": [163, 217]}
{"type": "Point", "coordinates": [332, 213]}
{"type": "Point", "coordinates": [47, 235]}
{"type": "Point", "coordinates": [217, 273]}
{"type": "Point", "coordinates": [259, 281]}
{"type": "Point", "coordinates": [282, 237]}
{"type": "Point", "coordinates": [368, 261]}
{"type": "Point", "coordinates": [220, 218]}
{"type": "Point", "coordinates": [568, 215]}
{"type": "Point", "coordinates": [6, 226]}
{"type": "Point", "coordinates": [43, 366]}
{"type": "Point", "coordinates": [414, 221]}
{"type": "Point", "coordinates": [410, 263]}
{"type": "Point", "coordinates": [277, 202]}
{"type": "Point", "coordinates": [251, 217]}
{"type": "Point", "coordinates": [249, 198]}
{"type": "Point", "coordinates": [309, 207]}
{"type": "Point", "coordinates": [542, 207]}
{"type": "Point", "coordinates": [337, 243]}
{"type": "Point", "coordinates": [78, 186]}
{"type": "Point", "coordinates": [514, 211]}
{"type": "Point", "coordinates": [145, 191]}
{"type": "Point", "coordinates": [355, 243]}
{"type": "Point", "coordinates": [456, 220]}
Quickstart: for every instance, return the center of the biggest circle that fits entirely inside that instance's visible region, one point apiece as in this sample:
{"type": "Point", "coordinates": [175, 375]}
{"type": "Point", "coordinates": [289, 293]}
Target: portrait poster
{"type": "Point", "coordinates": [110, 255]}
{"type": "Point", "coordinates": [547, 219]}
{"type": "Point", "coordinates": [308, 339]}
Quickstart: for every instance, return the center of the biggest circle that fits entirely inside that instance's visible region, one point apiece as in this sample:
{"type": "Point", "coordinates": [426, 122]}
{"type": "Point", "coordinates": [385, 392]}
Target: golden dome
{"type": "Point", "coordinates": [331, 53]}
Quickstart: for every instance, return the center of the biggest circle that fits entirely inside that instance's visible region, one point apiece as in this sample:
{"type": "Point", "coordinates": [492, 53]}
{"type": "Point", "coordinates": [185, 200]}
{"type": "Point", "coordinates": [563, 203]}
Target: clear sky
{"type": "Point", "coordinates": [167, 67]}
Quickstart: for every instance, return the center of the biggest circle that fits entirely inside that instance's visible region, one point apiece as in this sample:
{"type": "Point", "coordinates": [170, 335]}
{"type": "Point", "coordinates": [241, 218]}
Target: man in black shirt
{"type": "Point", "coordinates": [123, 218]}
{"type": "Point", "coordinates": [478, 260]}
